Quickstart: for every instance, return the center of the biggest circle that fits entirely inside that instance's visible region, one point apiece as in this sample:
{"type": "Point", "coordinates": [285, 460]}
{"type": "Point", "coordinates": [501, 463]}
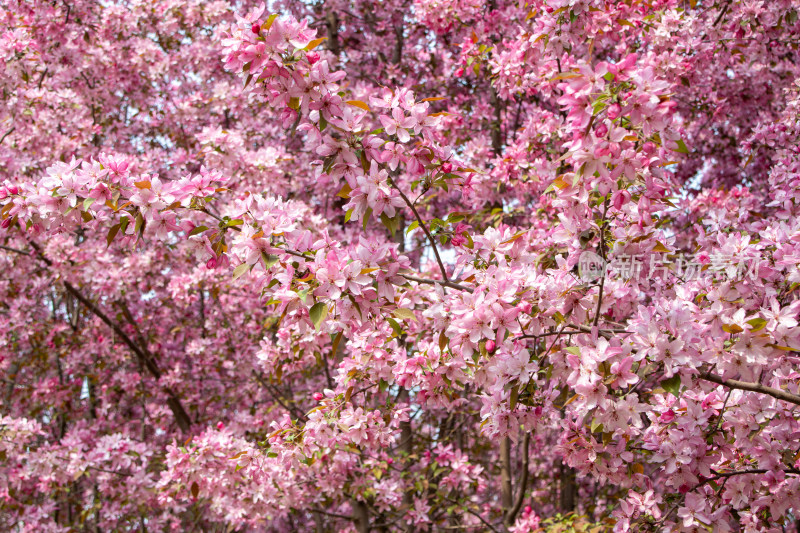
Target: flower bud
{"type": "Point", "coordinates": [490, 346]}
{"type": "Point", "coordinates": [255, 28]}
{"type": "Point", "coordinates": [447, 168]}
{"type": "Point", "coordinates": [667, 417]}
{"type": "Point", "coordinates": [601, 130]}
{"type": "Point", "coordinates": [312, 57]}
{"type": "Point", "coordinates": [620, 198]}
{"type": "Point", "coordinates": [212, 263]}
{"type": "Point", "coordinates": [318, 396]}
{"type": "Point", "coordinates": [613, 111]}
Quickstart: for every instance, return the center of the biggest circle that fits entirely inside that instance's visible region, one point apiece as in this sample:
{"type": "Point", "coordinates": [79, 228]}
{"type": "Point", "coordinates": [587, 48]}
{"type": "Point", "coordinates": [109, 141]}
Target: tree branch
{"type": "Point", "coordinates": [505, 473]}
{"type": "Point", "coordinates": [602, 253]}
{"type": "Point", "coordinates": [511, 516]}
{"type": "Point", "coordinates": [174, 403]}
{"type": "Point", "coordinates": [181, 416]}
{"type": "Point", "coordinates": [424, 228]}
{"type": "Point", "coordinates": [6, 134]}
{"type": "Point", "coordinates": [451, 284]}
{"type": "Point", "coordinates": [752, 387]}
{"type": "Point", "coordinates": [275, 396]}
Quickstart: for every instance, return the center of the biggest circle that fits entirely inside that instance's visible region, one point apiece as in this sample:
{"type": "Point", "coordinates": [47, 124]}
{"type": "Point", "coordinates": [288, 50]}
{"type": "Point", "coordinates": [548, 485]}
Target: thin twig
{"type": "Point", "coordinates": [174, 402]}
{"type": "Point", "coordinates": [424, 228]}
{"type": "Point", "coordinates": [479, 517]}
{"type": "Point", "coordinates": [602, 253]}
{"type": "Point", "coordinates": [445, 283]}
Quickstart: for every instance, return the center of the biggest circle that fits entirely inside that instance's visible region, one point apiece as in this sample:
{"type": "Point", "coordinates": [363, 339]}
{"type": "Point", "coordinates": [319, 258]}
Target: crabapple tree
{"type": "Point", "coordinates": [323, 265]}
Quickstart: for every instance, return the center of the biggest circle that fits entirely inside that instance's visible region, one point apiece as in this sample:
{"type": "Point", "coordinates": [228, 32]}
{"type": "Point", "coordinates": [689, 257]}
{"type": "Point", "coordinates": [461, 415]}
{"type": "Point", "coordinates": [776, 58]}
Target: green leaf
{"type": "Point", "coordinates": [268, 23]}
{"type": "Point", "coordinates": [414, 225]}
{"type": "Point", "coordinates": [470, 244]}
{"type": "Point", "coordinates": [269, 259]}
{"type": "Point", "coordinates": [514, 397]}
{"type": "Point", "coordinates": [317, 313]}
{"type": "Point", "coordinates": [302, 294]}
{"type": "Point", "coordinates": [87, 203]}
{"type": "Point", "coordinates": [682, 148]}
{"type": "Point", "coordinates": [757, 323]}
{"type": "Point", "coordinates": [197, 229]}
{"type": "Point", "coordinates": [672, 385]}
{"type": "Point", "coordinates": [348, 215]}
{"type": "Point", "coordinates": [139, 226]}
{"type": "Point", "coordinates": [398, 330]}
{"type": "Point", "coordinates": [367, 216]}
{"type": "Point", "coordinates": [123, 224]}
{"type": "Point", "coordinates": [596, 426]}
{"type": "Point", "coordinates": [239, 271]}
{"type": "Point", "coordinates": [574, 350]}
{"type": "Point", "coordinates": [405, 314]}
{"type": "Point", "coordinates": [391, 223]}
{"type": "Point", "coordinates": [112, 233]}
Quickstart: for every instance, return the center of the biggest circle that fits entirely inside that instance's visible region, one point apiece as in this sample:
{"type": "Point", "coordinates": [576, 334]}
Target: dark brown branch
{"type": "Point", "coordinates": [602, 253]}
{"type": "Point", "coordinates": [476, 515]}
{"type": "Point", "coordinates": [511, 516]}
{"type": "Point", "coordinates": [752, 387]}
{"type": "Point", "coordinates": [6, 134]}
{"type": "Point", "coordinates": [451, 284]}
{"type": "Point", "coordinates": [10, 249]}
{"type": "Point", "coordinates": [174, 403]}
{"type": "Point", "coordinates": [360, 516]}
{"type": "Point", "coordinates": [721, 475]}
{"type": "Point", "coordinates": [721, 13]}
{"type": "Point", "coordinates": [275, 396]}
{"type": "Point", "coordinates": [332, 25]}
{"type": "Point", "coordinates": [505, 474]}
{"type": "Point", "coordinates": [181, 417]}
{"type": "Point", "coordinates": [326, 513]}
{"type": "Point", "coordinates": [424, 228]}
